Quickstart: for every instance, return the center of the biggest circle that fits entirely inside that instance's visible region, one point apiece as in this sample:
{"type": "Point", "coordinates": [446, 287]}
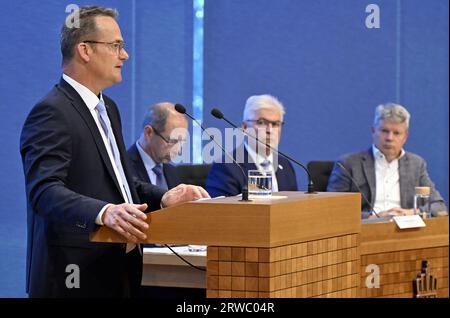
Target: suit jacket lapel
{"type": "Point", "coordinates": [141, 171]}
{"type": "Point", "coordinates": [403, 168]}
{"type": "Point", "coordinates": [171, 175]}
{"type": "Point", "coordinates": [369, 172]}
{"type": "Point", "coordinates": [83, 110]}
{"type": "Point", "coordinates": [281, 176]}
{"type": "Point", "coordinates": [248, 162]}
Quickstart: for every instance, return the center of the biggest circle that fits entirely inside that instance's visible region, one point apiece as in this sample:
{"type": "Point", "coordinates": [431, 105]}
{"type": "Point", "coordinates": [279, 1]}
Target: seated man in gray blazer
{"type": "Point", "coordinates": [386, 175]}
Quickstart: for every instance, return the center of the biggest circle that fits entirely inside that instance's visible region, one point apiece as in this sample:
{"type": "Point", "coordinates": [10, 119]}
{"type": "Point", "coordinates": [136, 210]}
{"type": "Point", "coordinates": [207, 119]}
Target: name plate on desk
{"type": "Point", "coordinates": [409, 221]}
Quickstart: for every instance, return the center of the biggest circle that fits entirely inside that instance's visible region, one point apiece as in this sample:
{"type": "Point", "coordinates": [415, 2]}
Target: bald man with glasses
{"type": "Point", "coordinates": [163, 134]}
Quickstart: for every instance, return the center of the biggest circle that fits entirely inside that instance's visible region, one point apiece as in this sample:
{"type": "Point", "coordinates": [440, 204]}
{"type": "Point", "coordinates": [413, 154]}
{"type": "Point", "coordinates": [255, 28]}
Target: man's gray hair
{"type": "Point", "coordinates": [258, 102]}
{"type": "Point", "coordinates": [392, 112]}
{"type": "Point", "coordinates": [72, 35]}
{"type": "Point", "coordinates": [156, 116]}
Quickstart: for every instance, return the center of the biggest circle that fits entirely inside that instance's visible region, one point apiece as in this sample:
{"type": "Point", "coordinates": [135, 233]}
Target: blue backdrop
{"type": "Point", "coordinates": [317, 57]}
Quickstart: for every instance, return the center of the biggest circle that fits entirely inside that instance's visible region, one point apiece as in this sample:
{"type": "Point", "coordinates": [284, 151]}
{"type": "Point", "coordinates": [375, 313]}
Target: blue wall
{"type": "Point", "coordinates": [318, 57]}
{"type": "Point", "coordinates": [160, 69]}
{"type": "Point", "coordinates": [330, 71]}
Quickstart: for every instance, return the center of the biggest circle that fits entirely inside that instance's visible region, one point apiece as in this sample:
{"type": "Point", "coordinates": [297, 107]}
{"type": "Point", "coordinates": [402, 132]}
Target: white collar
{"type": "Point", "coordinates": [146, 158]}
{"type": "Point", "coordinates": [377, 154]}
{"type": "Point", "coordinates": [89, 98]}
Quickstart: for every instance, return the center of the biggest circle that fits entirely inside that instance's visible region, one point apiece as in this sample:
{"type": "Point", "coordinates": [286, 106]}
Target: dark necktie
{"type": "Point", "coordinates": [160, 180]}
{"type": "Point", "coordinates": [266, 165]}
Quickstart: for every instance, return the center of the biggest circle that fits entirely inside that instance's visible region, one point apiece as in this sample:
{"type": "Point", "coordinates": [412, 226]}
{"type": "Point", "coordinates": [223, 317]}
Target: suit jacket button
{"type": "Point", "coordinates": [81, 225]}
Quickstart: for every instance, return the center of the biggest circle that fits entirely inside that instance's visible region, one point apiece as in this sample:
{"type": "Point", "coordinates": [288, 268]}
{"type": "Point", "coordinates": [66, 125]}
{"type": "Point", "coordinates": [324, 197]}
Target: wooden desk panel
{"type": "Point", "coordinates": [399, 255]}
{"type": "Point", "coordinates": [320, 268]}
{"type": "Point", "coordinates": [331, 267]}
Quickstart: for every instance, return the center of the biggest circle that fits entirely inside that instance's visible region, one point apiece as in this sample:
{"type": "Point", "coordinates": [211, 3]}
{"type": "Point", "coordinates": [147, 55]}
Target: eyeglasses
{"type": "Point", "coordinates": [262, 122]}
{"type": "Point", "coordinates": [170, 142]}
{"type": "Point", "coordinates": [116, 46]}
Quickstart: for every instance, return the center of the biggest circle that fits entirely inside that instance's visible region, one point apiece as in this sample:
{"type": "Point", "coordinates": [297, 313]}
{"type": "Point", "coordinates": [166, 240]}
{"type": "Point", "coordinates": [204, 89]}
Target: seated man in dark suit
{"type": "Point", "coordinates": [263, 115]}
{"type": "Point", "coordinates": [386, 174]}
{"type": "Point", "coordinates": [164, 130]}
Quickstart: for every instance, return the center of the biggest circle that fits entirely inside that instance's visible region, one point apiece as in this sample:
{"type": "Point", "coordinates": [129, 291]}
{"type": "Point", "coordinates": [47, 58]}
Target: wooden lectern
{"type": "Point", "coordinates": [302, 245]}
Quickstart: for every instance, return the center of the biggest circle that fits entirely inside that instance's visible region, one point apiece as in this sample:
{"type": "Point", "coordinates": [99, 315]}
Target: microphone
{"type": "Point", "coordinates": [182, 110]}
{"type": "Point", "coordinates": [359, 189]}
{"type": "Point", "coordinates": [219, 115]}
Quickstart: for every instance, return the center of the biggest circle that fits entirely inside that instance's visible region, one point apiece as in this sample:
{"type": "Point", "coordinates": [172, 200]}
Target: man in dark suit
{"type": "Point", "coordinates": [78, 175]}
{"type": "Point", "coordinates": [386, 174]}
{"type": "Point", "coordinates": [164, 131]}
{"type": "Point", "coordinates": [263, 117]}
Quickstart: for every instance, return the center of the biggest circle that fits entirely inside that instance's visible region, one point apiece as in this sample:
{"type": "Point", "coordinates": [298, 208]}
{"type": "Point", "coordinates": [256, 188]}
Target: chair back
{"type": "Point", "coordinates": [195, 174]}
{"type": "Point", "coordinates": [320, 173]}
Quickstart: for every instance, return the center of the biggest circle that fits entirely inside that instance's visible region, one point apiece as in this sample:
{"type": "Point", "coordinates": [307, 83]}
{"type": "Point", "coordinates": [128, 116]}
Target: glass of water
{"type": "Point", "coordinates": [260, 183]}
{"type": "Point", "coordinates": [422, 202]}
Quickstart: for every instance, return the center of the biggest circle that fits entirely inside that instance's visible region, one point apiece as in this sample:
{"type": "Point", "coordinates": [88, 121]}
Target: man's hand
{"type": "Point", "coordinates": [183, 193]}
{"type": "Point", "coordinates": [127, 220]}
{"type": "Point", "coordinates": [397, 212]}
{"type": "Point", "coordinates": [394, 212]}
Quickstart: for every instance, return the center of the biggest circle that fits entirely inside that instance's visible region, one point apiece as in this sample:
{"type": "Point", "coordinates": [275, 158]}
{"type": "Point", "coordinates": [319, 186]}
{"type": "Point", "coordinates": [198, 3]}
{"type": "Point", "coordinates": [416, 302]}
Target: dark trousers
{"type": "Point", "coordinates": [133, 274]}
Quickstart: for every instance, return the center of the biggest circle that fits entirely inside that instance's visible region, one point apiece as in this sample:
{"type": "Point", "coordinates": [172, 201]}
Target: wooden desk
{"type": "Point", "coordinates": [167, 270]}
{"type": "Point", "coordinates": [398, 253]}
{"type": "Point", "coordinates": [295, 245]}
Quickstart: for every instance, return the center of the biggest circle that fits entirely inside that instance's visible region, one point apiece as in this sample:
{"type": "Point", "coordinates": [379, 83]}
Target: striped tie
{"type": "Point", "coordinates": [106, 125]}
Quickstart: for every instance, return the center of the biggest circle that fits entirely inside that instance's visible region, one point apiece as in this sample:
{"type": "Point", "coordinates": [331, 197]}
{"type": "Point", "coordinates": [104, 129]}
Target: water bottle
{"type": "Point", "coordinates": [422, 202]}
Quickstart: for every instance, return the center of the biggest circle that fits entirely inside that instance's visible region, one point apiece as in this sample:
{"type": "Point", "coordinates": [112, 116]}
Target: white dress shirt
{"type": "Point", "coordinates": [91, 100]}
{"type": "Point", "coordinates": [258, 159]}
{"type": "Point", "coordinates": [387, 181]}
{"type": "Point", "coordinates": [149, 163]}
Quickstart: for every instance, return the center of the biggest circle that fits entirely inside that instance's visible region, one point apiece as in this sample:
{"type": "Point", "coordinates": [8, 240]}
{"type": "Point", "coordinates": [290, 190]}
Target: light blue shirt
{"type": "Point", "coordinates": [149, 163]}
